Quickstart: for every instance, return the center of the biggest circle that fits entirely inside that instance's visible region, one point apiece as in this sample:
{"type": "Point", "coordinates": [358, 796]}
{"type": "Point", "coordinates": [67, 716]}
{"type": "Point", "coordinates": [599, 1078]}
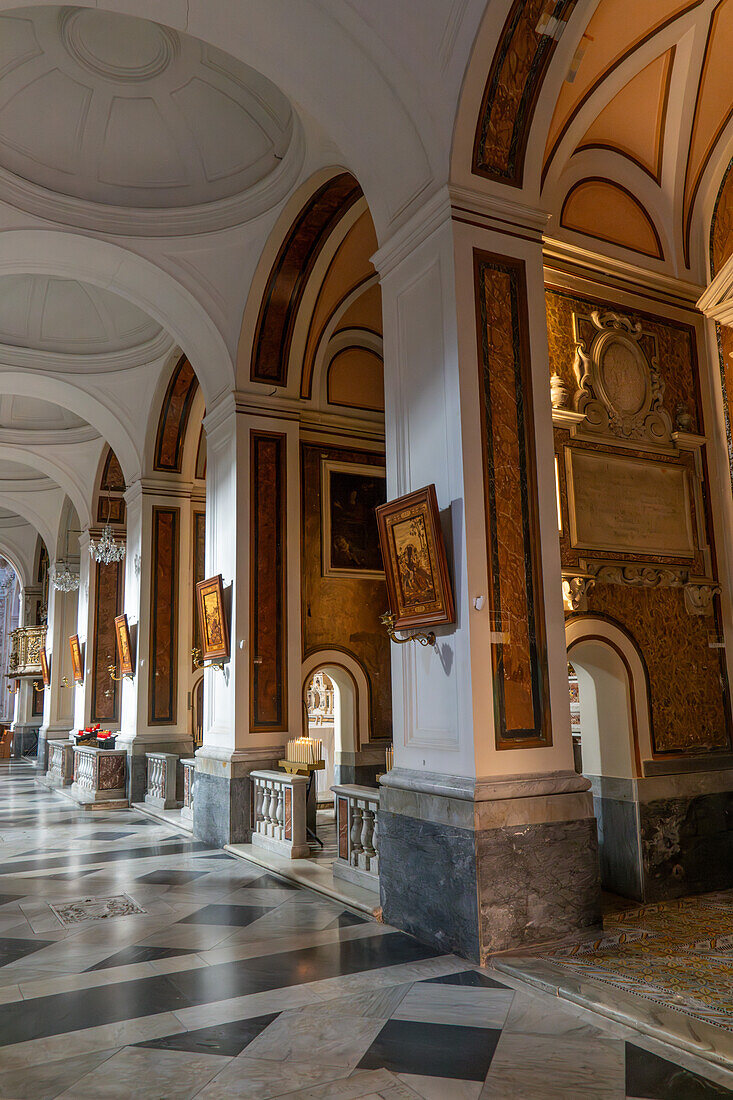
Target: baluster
{"type": "Point", "coordinates": [375, 831]}
{"type": "Point", "coordinates": [356, 827]}
{"type": "Point", "coordinates": [279, 812]}
{"type": "Point", "coordinates": [367, 832]}
{"type": "Point", "coordinates": [271, 803]}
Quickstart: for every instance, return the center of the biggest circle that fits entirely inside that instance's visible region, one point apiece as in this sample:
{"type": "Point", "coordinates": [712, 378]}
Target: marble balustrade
{"type": "Point", "coordinates": [60, 771]}
{"type": "Point", "coordinates": [357, 809]}
{"type": "Point", "coordinates": [99, 774]}
{"type": "Point", "coordinates": [160, 787]}
{"type": "Point", "coordinates": [279, 813]}
{"type": "Point", "coordinates": [188, 764]}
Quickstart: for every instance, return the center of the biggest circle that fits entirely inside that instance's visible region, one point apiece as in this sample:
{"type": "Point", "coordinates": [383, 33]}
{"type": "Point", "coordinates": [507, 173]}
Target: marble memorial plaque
{"type": "Point", "coordinates": [628, 505]}
{"type": "Point", "coordinates": [83, 909]}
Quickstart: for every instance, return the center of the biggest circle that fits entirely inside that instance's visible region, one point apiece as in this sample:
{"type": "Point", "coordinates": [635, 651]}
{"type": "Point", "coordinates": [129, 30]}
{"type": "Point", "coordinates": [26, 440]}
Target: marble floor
{"type": "Point", "coordinates": [138, 962]}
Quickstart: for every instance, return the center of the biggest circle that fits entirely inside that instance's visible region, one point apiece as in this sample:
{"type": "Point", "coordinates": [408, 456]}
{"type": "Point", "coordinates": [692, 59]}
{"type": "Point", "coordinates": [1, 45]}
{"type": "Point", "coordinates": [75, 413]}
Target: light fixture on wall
{"type": "Point", "coordinates": [62, 577]}
{"type": "Point", "coordinates": [107, 550]}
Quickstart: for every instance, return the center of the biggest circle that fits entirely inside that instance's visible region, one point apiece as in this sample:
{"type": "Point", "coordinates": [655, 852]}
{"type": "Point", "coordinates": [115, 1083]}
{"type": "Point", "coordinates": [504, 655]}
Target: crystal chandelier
{"type": "Point", "coordinates": [107, 550]}
{"type": "Point", "coordinates": [63, 579]}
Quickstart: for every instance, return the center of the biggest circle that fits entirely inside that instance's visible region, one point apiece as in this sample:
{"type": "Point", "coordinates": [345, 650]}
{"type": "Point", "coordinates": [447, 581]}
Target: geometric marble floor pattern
{"type": "Point", "coordinates": [137, 961]}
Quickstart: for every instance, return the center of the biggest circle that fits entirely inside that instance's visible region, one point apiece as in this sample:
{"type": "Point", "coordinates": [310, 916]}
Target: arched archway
{"type": "Point", "coordinates": [615, 741]}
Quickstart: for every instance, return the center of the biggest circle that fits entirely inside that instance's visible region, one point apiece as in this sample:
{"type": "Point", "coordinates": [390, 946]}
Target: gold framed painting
{"type": "Point", "coordinates": [124, 646]}
{"type": "Point", "coordinates": [76, 659]}
{"type": "Point", "coordinates": [350, 493]}
{"type": "Point", "coordinates": [416, 568]}
{"type": "Point", "coordinates": [212, 619]}
{"type": "Point", "coordinates": [45, 675]}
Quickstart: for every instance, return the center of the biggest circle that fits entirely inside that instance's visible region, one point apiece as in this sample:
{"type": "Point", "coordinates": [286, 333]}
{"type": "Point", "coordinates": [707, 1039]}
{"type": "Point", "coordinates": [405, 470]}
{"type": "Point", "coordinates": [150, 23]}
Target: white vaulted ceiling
{"type": "Point", "coordinates": [67, 316]}
{"type": "Point", "coordinates": [126, 112]}
{"type": "Point", "coordinates": [32, 414]}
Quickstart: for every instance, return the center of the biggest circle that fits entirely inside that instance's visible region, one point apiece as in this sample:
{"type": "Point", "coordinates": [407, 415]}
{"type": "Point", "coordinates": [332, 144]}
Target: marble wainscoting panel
{"type": "Point", "coordinates": [477, 874]}
{"type": "Point", "coordinates": [536, 882]}
{"type": "Point", "coordinates": [687, 845]}
{"type": "Point", "coordinates": [137, 747]}
{"type": "Point", "coordinates": [427, 876]}
{"type": "Point", "coordinates": [223, 795]}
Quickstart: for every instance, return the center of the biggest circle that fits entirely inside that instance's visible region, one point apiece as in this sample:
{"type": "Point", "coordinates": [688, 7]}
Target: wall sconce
{"type": "Point", "coordinates": [112, 669]}
{"type": "Point", "coordinates": [198, 663]}
{"type": "Point", "coordinates": [64, 682]}
{"type": "Point", "coordinates": [387, 620]}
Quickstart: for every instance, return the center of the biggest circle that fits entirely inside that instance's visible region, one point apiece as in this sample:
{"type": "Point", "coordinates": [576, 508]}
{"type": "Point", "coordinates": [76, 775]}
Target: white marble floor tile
{"type": "Point", "coordinates": [73, 1043]}
{"type": "Point", "coordinates": [455, 1004]}
{"type": "Point", "coordinates": [391, 975]}
{"type": "Point", "coordinates": [147, 1074]}
{"type": "Point", "coordinates": [50, 1078]}
{"type": "Point", "coordinates": [543, 1068]}
{"type": "Point", "coordinates": [297, 1035]}
{"type": "Point", "coordinates": [378, 1084]}
{"type": "Point", "coordinates": [531, 1016]}
{"type": "Point", "coordinates": [381, 1003]}
{"type": "Point", "coordinates": [244, 1008]}
{"type": "Point", "coordinates": [443, 1088]}
{"type": "Point", "coordinates": [258, 1079]}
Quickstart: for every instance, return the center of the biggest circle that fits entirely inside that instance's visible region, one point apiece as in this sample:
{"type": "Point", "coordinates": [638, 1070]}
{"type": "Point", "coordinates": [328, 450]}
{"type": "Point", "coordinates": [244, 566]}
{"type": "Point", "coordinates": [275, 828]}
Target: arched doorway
{"type": "Point", "coordinates": [610, 716]}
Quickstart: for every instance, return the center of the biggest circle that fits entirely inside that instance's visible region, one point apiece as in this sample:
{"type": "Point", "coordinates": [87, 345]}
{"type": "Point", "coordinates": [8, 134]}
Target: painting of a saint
{"type": "Point", "coordinates": [124, 651]}
{"type": "Point", "coordinates": [212, 619]}
{"type": "Point", "coordinates": [350, 494]}
{"type": "Point", "coordinates": [416, 569]}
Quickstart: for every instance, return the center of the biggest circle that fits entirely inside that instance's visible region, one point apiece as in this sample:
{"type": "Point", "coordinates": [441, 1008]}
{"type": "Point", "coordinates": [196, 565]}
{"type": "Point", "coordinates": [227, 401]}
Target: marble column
{"type": "Point", "coordinates": [487, 835]}
{"type": "Point", "coordinates": [26, 724]}
{"type": "Point", "coordinates": [253, 540]}
{"type": "Point", "coordinates": [58, 698]}
{"type": "Point", "coordinates": [154, 710]}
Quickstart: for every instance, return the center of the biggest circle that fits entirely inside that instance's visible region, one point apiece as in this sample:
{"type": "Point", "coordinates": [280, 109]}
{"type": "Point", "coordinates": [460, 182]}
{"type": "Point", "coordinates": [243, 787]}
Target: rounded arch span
{"type": "Point", "coordinates": [353, 717]}
{"type": "Point", "coordinates": [138, 280]}
{"type": "Point", "coordinates": [19, 505]}
{"type": "Point", "coordinates": [14, 556]}
{"type": "Point", "coordinates": [77, 493]}
{"type": "Point", "coordinates": [613, 676]}
{"type": "Point", "coordinates": [102, 416]}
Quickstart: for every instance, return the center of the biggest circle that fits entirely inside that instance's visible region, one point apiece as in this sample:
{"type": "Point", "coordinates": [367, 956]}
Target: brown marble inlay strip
{"type": "Point", "coordinates": [268, 700]}
{"type": "Point", "coordinates": [164, 617]}
{"type": "Point", "coordinates": [515, 588]}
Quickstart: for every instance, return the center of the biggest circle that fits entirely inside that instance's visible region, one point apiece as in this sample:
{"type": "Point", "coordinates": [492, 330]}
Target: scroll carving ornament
{"type": "Point", "coordinates": [698, 592]}
{"type": "Point", "coordinates": [575, 591]}
{"type": "Point", "coordinates": [619, 389]}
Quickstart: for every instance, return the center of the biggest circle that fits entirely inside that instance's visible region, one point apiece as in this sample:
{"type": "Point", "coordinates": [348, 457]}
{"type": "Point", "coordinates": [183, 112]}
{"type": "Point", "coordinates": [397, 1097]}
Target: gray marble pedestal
{"type": "Point", "coordinates": [480, 866]}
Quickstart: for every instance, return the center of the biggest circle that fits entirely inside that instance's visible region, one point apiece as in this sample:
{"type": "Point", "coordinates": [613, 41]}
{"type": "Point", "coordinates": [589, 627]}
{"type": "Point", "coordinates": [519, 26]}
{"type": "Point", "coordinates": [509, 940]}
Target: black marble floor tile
{"type": "Point", "coordinates": [268, 882]}
{"type": "Point", "coordinates": [5, 898]}
{"type": "Point", "coordinates": [225, 1039]}
{"type": "Point", "coordinates": [170, 878]}
{"type": "Point", "coordinates": [466, 977]}
{"type": "Point", "coordinates": [347, 920]}
{"type": "Point", "coordinates": [312, 964]}
{"type": "Point", "coordinates": [138, 953]}
{"type": "Point", "coordinates": [433, 1050]}
{"type": "Point", "coordinates": [43, 1016]}
{"type": "Point", "coordinates": [70, 874]}
{"type": "Point", "coordinates": [12, 949]}
{"type": "Point", "coordinates": [649, 1077]}
{"type": "Point", "coordinates": [238, 916]}
{"type": "Point", "coordinates": [79, 858]}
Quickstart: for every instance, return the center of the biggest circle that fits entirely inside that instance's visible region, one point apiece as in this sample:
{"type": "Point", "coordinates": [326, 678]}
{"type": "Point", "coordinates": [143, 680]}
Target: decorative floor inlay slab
{"type": "Point", "coordinates": [676, 953]}
{"type": "Point", "coordinates": [72, 912]}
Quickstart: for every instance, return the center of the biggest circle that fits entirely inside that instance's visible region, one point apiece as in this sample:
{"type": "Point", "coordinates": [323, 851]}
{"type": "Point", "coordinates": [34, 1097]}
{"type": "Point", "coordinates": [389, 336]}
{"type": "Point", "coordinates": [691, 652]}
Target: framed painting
{"type": "Point", "coordinates": [124, 646]}
{"type": "Point", "coordinates": [349, 495]}
{"type": "Point", "coordinates": [76, 661]}
{"type": "Point", "coordinates": [212, 619]}
{"type": "Point", "coordinates": [416, 569]}
{"type": "Point", "coordinates": [45, 675]}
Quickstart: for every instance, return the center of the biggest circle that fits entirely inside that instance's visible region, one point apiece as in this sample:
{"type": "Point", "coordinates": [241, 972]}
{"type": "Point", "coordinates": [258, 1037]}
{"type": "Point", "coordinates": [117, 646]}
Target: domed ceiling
{"type": "Point", "coordinates": [32, 414]}
{"type": "Point", "coordinates": [126, 112]}
{"type": "Point", "coordinates": [63, 315]}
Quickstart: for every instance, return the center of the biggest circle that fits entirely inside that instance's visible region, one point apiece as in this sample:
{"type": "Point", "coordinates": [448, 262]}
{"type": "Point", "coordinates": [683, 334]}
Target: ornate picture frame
{"type": "Point", "coordinates": [45, 674]}
{"type": "Point", "coordinates": [416, 567]}
{"type": "Point", "coordinates": [350, 493]}
{"type": "Point", "coordinates": [212, 619]}
{"type": "Point", "coordinates": [124, 646]}
{"type": "Point", "coordinates": [77, 663]}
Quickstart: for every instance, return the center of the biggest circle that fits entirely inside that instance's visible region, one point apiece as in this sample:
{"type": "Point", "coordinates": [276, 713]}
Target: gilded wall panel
{"type": "Point", "coordinates": [342, 612]}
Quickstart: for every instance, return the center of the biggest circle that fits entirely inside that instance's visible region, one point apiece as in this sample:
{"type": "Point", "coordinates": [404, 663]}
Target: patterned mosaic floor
{"type": "Point", "coordinates": [677, 954]}
{"type": "Point", "coordinates": [135, 961]}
